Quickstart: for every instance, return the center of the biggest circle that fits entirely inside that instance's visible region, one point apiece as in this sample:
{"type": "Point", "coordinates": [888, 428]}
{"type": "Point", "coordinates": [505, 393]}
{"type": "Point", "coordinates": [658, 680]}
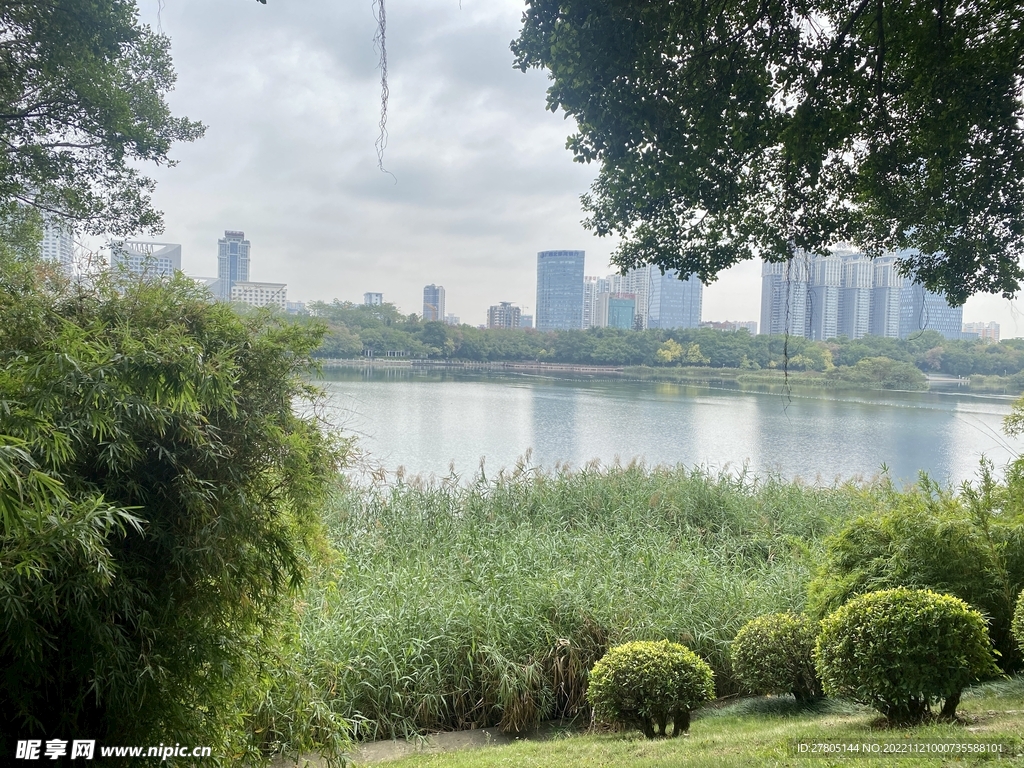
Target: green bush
{"type": "Point", "coordinates": [645, 684]}
{"type": "Point", "coordinates": [902, 650]}
{"type": "Point", "coordinates": [970, 545]}
{"type": "Point", "coordinates": [1018, 621]}
{"type": "Point", "coordinates": [775, 654]}
{"type": "Point", "coordinates": [159, 501]}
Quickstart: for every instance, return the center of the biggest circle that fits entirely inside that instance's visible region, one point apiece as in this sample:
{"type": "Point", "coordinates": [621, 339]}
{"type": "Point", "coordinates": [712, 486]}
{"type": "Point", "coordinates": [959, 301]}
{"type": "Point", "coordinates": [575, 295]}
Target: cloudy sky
{"type": "Point", "coordinates": [481, 177]}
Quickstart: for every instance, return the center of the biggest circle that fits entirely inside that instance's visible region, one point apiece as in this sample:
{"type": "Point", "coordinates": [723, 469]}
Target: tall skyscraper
{"type": "Point", "coordinates": [232, 261]}
{"type": "Point", "coordinates": [673, 303]}
{"type": "Point", "coordinates": [142, 259]}
{"type": "Point", "coordinates": [433, 303]}
{"type": "Point", "coordinates": [559, 290]}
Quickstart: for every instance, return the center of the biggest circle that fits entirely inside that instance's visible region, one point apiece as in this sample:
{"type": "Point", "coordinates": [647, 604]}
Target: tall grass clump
{"type": "Point", "coordinates": [458, 606]}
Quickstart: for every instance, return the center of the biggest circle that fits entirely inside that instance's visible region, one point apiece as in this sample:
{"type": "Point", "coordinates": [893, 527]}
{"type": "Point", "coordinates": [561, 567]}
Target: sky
{"type": "Point", "coordinates": [478, 179]}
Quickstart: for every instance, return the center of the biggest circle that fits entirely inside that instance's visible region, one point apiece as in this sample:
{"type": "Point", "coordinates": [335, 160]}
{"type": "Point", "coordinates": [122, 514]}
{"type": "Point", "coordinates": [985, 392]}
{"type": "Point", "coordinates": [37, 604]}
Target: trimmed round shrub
{"type": "Point", "coordinates": [902, 651]}
{"type": "Point", "coordinates": [1018, 621]}
{"type": "Point", "coordinates": [647, 684]}
{"type": "Point", "coordinates": [775, 654]}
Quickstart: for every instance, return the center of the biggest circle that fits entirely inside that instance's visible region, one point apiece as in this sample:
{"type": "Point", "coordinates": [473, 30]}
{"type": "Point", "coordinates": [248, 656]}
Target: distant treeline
{"type": "Point", "coordinates": [358, 330]}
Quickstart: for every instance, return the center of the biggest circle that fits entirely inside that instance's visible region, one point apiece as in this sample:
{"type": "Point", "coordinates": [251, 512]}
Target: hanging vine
{"type": "Point", "coordinates": [380, 44]}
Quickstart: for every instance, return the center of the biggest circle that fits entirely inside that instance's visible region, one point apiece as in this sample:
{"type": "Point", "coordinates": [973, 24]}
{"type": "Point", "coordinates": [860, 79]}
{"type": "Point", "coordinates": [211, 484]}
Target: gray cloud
{"type": "Point", "coordinates": [290, 94]}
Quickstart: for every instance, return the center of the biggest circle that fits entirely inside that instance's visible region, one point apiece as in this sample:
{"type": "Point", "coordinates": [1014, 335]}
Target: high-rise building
{"type": "Point", "coordinates": [784, 297]}
{"type": "Point", "coordinates": [232, 261]}
{"type": "Point", "coordinates": [526, 321]}
{"type": "Point", "coordinates": [855, 295]}
{"type": "Point", "coordinates": [984, 331]}
{"type": "Point", "coordinates": [885, 298]}
{"type": "Point", "coordinates": [847, 294]}
{"type": "Point", "coordinates": [373, 299]}
{"type": "Point", "coordinates": [433, 303]}
{"type": "Point", "coordinates": [560, 290]}
{"type": "Point", "coordinates": [142, 259]}
{"type": "Point", "coordinates": [451, 320]}
{"type": "Point", "coordinates": [58, 243]}
{"type": "Point", "coordinates": [638, 283]}
{"type": "Point", "coordinates": [824, 288]}
{"type": "Point", "coordinates": [673, 303]}
{"type": "Point", "coordinates": [260, 294]}
{"type": "Point", "coordinates": [922, 310]}
{"type": "Point", "coordinates": [592, 288]}
{"type": "Point", "coordinates": [616, 310]}
{"type": "Point", "coordinates": [503, 315]}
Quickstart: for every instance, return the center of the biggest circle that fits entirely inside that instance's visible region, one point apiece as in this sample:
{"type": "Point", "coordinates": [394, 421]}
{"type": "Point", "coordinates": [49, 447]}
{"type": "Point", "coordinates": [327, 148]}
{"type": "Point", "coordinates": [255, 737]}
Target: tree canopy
{"type": "Point", "coordinates": [740, 128]}
{"type": "Point", "coordinates": [159, 501]}
{"type": "Point", "coordinates": [82, 88]}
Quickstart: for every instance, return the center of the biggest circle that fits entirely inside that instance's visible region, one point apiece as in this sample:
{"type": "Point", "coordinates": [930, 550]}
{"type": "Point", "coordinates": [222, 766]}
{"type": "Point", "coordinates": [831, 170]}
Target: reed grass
{"type": "Point", "coordinates": [453, 605]}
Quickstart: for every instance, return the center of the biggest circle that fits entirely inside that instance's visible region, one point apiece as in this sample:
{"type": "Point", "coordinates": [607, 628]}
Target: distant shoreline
{"type": "Point", "coordinates": [377, 362]}
{"type": "Point", "coordinates": [741, 378]}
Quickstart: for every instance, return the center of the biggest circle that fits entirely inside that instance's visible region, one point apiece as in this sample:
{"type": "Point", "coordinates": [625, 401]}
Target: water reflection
{"type": "Point", "coordinates": [425, 420]}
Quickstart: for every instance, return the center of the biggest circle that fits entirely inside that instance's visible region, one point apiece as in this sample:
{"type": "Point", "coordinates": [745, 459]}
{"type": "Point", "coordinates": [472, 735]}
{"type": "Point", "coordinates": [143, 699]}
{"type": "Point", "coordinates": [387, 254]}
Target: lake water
{"type": "Point", "coordinates": [428, 420]}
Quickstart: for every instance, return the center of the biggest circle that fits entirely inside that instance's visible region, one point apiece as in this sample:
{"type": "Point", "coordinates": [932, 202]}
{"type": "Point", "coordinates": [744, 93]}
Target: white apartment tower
{"type": "Point", "coordinates": [885, 298]}
{"type": "Point", "coordinates": [784, 297]}
{"type": "Point", "coordinates": [58, 244]}
{"type": "Point", "coordinates": [855, 295]}
{"type": "Point", "coordinates": [825, 285]}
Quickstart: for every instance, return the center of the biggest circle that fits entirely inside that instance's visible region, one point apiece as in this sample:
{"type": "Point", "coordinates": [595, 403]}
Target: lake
{"type": "Point", "coordinates": [429, 420]}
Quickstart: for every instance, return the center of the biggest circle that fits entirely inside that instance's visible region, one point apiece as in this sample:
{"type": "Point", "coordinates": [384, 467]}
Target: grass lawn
{"type": "Point", "coordinates": [764, 732]}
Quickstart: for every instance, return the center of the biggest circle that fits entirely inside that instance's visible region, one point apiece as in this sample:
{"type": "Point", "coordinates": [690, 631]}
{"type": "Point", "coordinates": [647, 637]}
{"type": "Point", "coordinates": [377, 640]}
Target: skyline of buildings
{"type": "Point", "coordinates": [986, 331]}
{"type": "Point", "coordinates": [153, 260]}
{"type": "Point", "coordinates": [659, 300]}
{"type": "Point", "coordinates": [845, 293]}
